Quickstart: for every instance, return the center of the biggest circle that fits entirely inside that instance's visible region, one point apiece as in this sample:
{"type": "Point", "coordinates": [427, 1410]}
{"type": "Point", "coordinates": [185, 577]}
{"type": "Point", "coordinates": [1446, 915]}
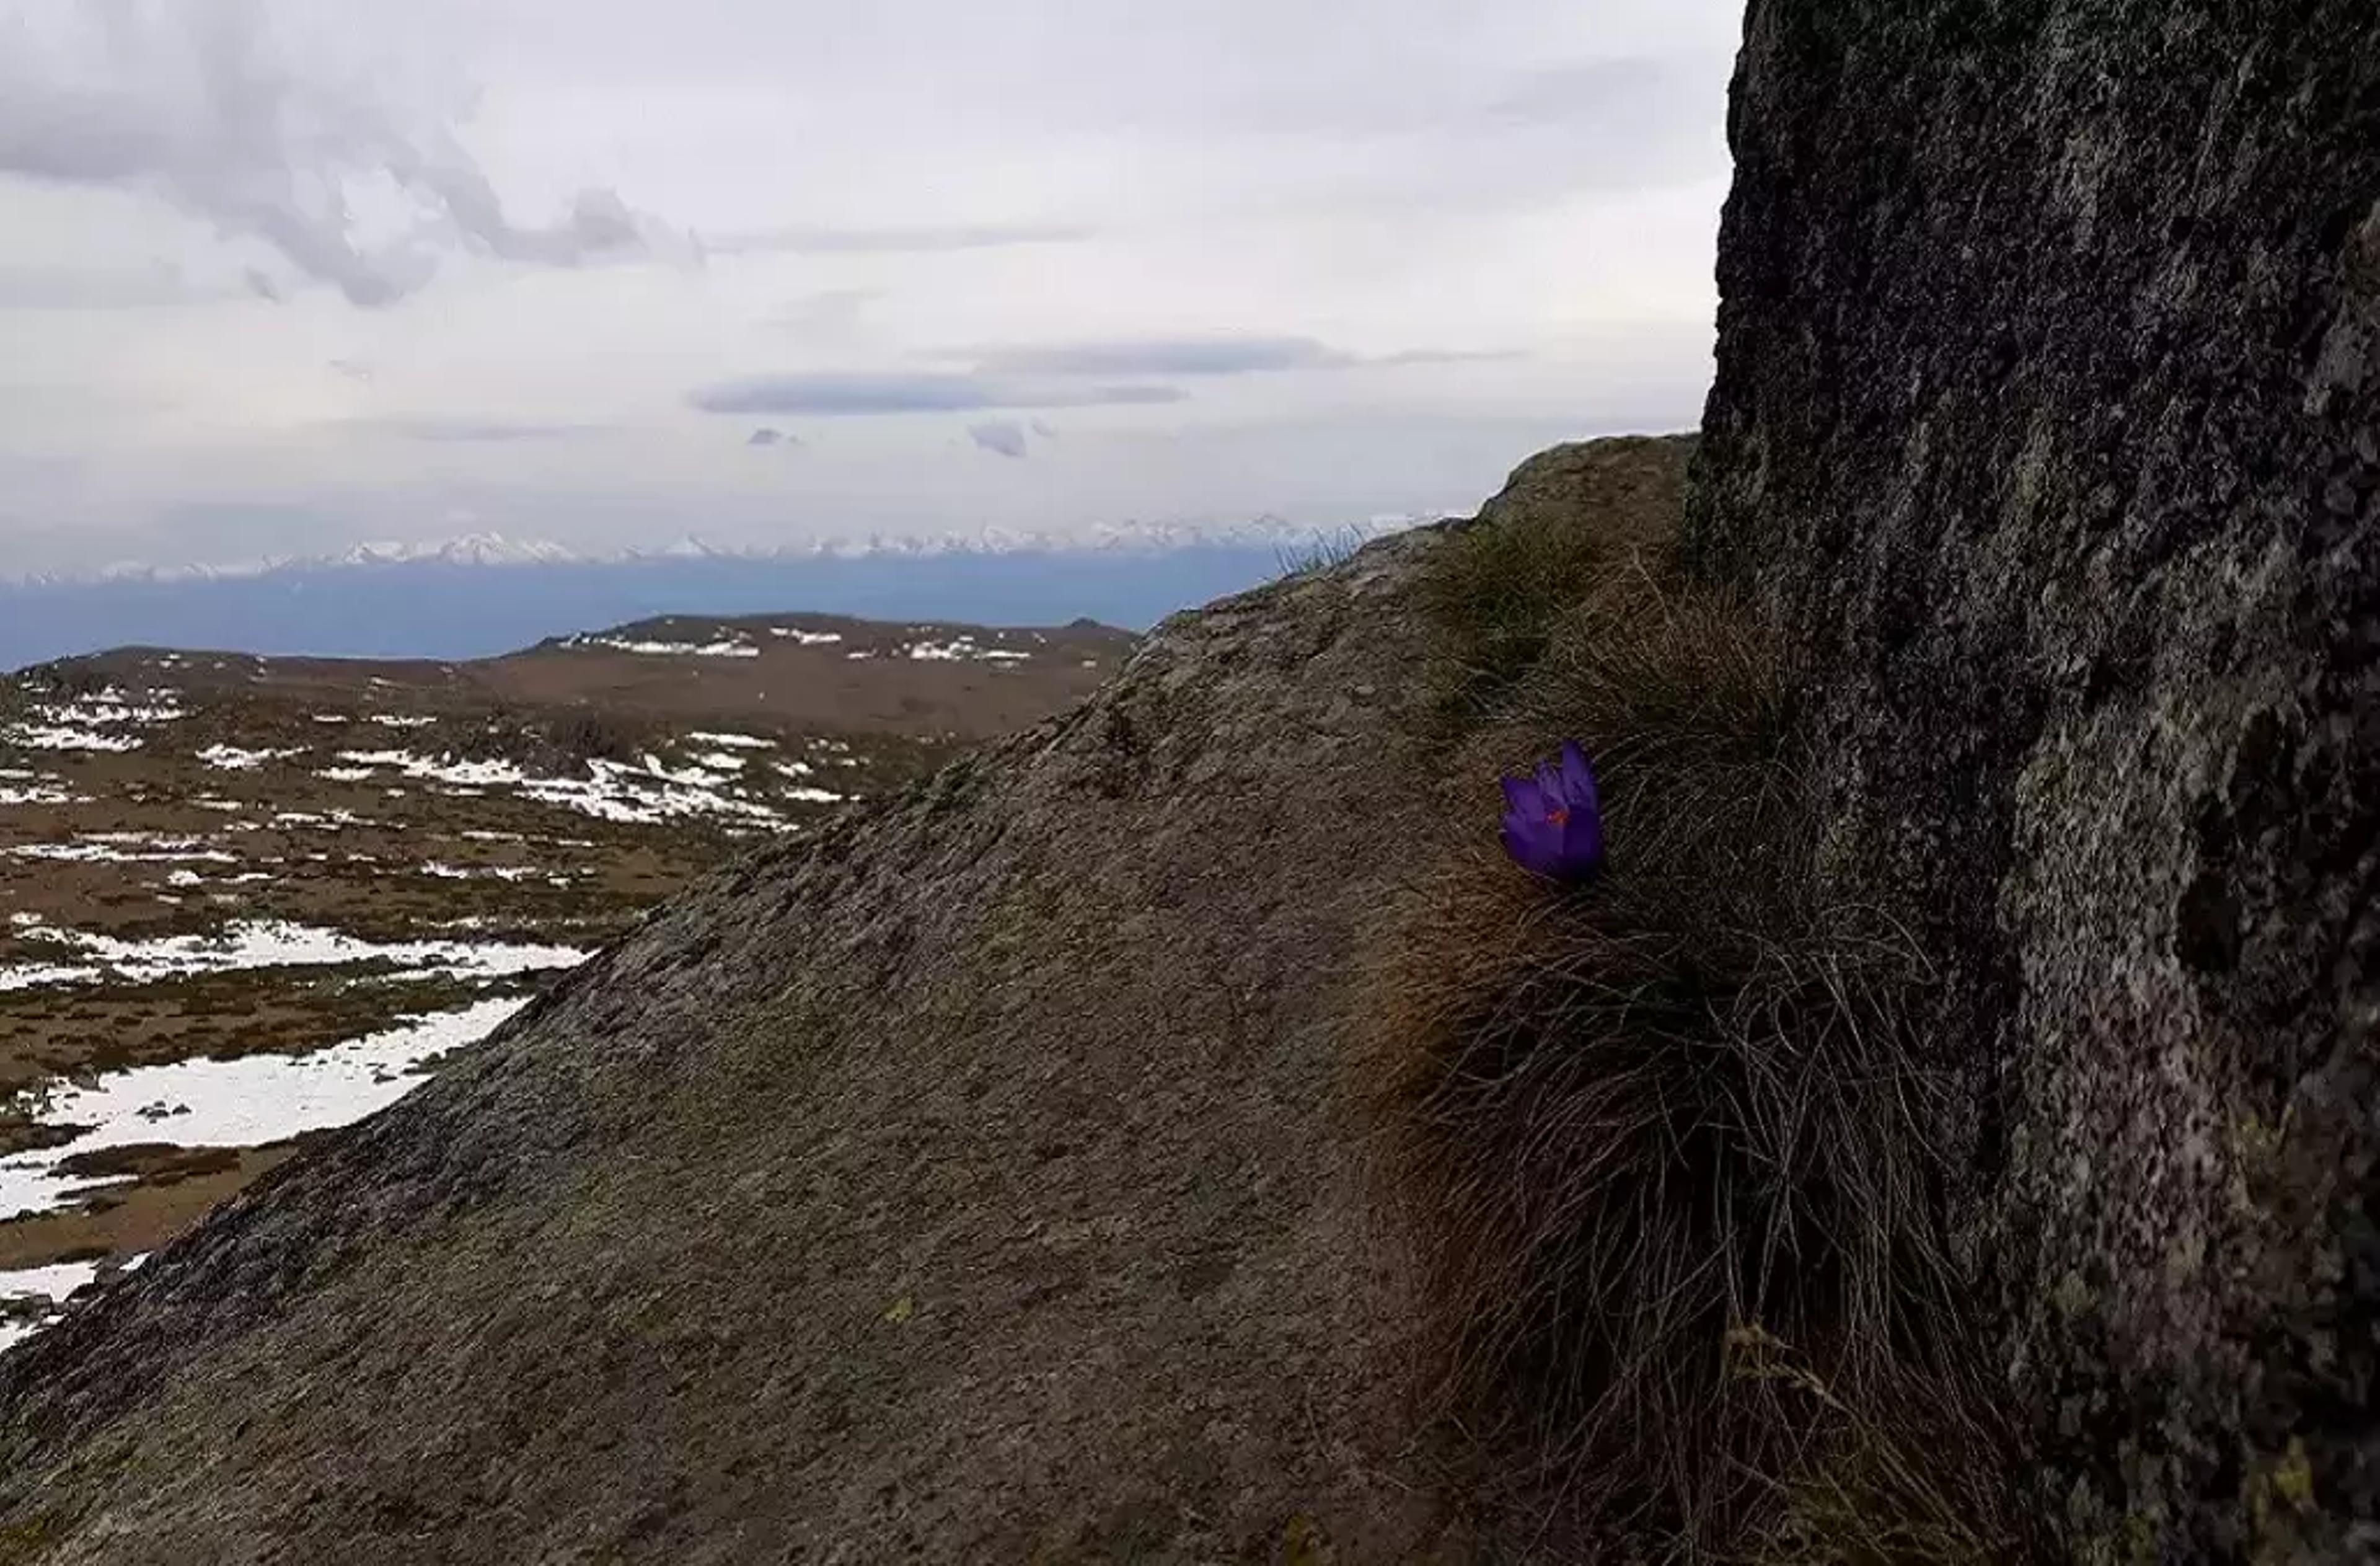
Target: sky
{"type": "Point", "coordinates": [282, 276]}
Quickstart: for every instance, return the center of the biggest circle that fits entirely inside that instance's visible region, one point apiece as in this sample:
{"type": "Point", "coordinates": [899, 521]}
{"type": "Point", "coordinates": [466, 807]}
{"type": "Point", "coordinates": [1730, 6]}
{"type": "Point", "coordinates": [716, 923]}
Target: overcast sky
{"type": "Point", "coordinates": [285, 275]}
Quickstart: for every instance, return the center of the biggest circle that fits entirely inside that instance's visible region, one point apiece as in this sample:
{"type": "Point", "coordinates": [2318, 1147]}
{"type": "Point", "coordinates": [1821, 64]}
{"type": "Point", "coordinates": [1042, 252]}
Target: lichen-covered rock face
{"type": "Point", "coordinates": [2048, 420]}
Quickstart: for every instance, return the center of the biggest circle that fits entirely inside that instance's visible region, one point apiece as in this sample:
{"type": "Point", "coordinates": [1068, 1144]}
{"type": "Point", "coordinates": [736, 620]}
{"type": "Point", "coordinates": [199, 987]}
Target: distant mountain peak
{"type": "Point", "coordinates": [471, 548]}
{"type": "Point", "coordinates": [491, 550]}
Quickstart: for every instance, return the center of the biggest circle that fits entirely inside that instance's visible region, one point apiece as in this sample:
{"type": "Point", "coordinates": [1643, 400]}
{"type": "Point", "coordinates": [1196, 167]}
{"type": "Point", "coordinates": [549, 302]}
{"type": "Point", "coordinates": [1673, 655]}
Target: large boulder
{"type": "Point", "coordinates": [2047, 421]}
{"type": "Point", "coordinates": [965, 1183]}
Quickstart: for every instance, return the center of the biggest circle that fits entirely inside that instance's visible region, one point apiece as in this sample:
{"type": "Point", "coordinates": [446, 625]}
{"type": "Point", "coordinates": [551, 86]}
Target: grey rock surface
{"type": "Point", "coordinates": [2048, 418]}
{"type": "Point", "coordinates": [968, 1182]}
{"type": "Point", "coordinates": [1626, 487]}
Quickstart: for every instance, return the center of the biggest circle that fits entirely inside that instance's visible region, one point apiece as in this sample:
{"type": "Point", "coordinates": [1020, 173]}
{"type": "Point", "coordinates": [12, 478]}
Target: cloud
{"type": "Point", "coordinates": [1443, 356]}
{"type": "Point", "coordinates": [1183, 356]}
{"type": "Point", "coordinates": [852, 393]}
{"type": "Point", "coordinates": [50, 287]}
{"type": "Point", "coordinates": [1651, 98]}
{"type": "Point", "coordinates": [597, 223]}
{"type": "Point", "coordinates": [470, 431]}
{"type": "Point", "coordinates": [826, 314]}
{"type": "Point", "coordinates": [820, 240]}
{"type": "Point", "coordinates": [233, 529]}
{"type": "Point", "coordinates": [1001, 435]}
{"type": "Point", "coordinates": [1193, 356]}
{"type": "Point", "coordinates": [191, 101]}
{"type": "Point", "coordinates": [1298, 236]}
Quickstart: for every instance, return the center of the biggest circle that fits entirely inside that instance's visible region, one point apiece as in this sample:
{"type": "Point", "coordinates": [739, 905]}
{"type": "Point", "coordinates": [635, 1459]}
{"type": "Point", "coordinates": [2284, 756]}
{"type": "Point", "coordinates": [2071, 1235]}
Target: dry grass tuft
{"type": "Point", "coordinates": [1663, 1139]}
{"type": "Point", "coordinates": [1324, 551]}
{"type": "Point", "coordinates": [1499, 593]}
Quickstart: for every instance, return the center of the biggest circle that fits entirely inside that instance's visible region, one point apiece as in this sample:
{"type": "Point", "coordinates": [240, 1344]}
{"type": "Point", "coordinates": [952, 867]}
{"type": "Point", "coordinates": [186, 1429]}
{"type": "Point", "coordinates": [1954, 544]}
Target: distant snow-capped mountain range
{"type": "Point", "coordinates": [477, 551]}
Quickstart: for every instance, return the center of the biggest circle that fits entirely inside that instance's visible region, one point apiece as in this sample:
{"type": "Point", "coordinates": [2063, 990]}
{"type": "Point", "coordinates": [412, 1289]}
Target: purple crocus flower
{"type": "Point", "coordinates": [1553, 822]}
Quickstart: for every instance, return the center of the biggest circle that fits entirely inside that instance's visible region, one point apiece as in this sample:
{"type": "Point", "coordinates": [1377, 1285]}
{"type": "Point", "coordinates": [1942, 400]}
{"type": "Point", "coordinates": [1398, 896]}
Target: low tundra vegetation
{"type": "Point", "coordinates": [1662, 1138]}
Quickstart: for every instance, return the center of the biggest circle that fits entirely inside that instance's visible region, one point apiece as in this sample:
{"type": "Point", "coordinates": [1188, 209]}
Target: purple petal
{"type": "Point", "coordinates": [1532, 848]}
{"type": "Point", "coordinates": [1578, 778]}
{"type": "Point", "coordinates": [1582, 845]}
{"type": "Point", "coordinates": [1553, 821]}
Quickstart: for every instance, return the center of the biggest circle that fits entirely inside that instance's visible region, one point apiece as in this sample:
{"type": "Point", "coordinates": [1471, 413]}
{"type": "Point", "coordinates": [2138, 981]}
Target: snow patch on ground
{"type": "Point", "coordinates": [43, 736]}
{"type": "Point", "coordinates": [615, 792]}
{"type": "Point", "coordinates": [125, 848]}
{"type": "Point", "coordinates": [40, 975]}
{"type": "Point", "coordinates": [439, 870]}
{"type": "Point", "coordinates": [669, 649]}
{"type": "Point", "coordinates": [232, 759]}
{"type": "Point", "coordinates": [53, 1283]}
{"type": "Point", "coordinates": [270, 944]}
{"type": "Point", "coordinates": [964, 648]}
{"type": "Point", "coordinates": [806, 793]}
{"type": "Point", "coordinates": [37, 1294]}
{"type": "Point", "coordinates": [89, 723]}
{"type": "Point", "coordinates": [333, 820]}
{"type": "Point", "coordinates": [240, 1103]}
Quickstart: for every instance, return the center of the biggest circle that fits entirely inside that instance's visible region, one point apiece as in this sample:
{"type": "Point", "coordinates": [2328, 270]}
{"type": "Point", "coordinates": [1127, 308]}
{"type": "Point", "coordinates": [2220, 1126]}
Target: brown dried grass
{"type": "Point", "coordinates": [1662, 1140]}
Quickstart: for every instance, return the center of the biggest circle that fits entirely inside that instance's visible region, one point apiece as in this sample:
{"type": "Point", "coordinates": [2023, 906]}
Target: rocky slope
{"type": "Point", "coordinates": [2049, 373]}
{"type": "Point", "coordinates": [964, 1182]}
